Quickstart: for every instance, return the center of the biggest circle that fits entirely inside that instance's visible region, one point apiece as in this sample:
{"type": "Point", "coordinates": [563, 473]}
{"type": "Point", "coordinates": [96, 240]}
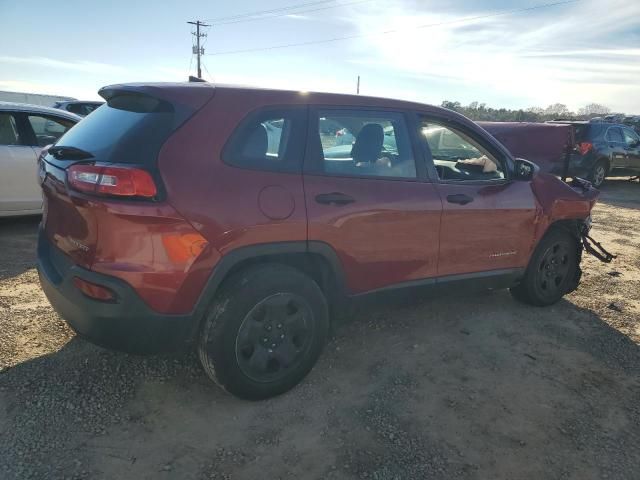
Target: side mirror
{"type": "Point", "coordinates": [524, 170]}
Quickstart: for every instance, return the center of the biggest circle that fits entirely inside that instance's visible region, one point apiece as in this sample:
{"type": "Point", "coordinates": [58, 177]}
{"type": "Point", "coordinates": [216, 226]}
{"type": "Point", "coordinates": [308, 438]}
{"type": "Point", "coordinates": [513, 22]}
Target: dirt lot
{"type": "Point", "coordinates": [476, 387]}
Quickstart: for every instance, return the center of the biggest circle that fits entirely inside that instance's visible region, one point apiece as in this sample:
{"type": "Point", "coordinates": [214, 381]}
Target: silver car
{"type": "Point", "coordinates": [24, 130]}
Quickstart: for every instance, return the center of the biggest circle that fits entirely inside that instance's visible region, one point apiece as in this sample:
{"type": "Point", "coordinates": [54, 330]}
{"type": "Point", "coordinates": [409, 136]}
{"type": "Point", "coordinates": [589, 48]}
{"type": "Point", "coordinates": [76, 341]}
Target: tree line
{"type": "Point", "coordinates": [480, 112]}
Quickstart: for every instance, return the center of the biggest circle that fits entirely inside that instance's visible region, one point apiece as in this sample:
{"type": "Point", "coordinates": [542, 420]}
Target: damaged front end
{"type": "Point", "coordinates": [568, 205]}
{"type": "Point", "coordinates": [589, 245]}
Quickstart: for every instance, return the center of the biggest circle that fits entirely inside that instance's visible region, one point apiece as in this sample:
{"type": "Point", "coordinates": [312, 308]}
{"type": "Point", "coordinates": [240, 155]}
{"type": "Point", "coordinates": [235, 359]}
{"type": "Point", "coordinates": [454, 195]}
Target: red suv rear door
{"type": "Point", "coordinates": [487, 220]}
{"type": "Point", "coordinates": [368, 198]}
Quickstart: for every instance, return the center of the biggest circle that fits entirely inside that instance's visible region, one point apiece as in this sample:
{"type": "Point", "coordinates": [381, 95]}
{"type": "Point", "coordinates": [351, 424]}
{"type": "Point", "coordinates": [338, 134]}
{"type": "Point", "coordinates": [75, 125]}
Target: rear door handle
{"type": "Point", "coordinates": [334, 198]}
{"type": "Point", "coordinates": [460, 199]}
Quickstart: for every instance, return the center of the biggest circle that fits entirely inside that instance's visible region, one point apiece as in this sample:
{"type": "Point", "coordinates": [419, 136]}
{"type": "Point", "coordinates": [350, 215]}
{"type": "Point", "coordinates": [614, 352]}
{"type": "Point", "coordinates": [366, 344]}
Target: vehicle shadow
{"type": "Point", "coordinates": [18, 237]}
{"type": "Point", "coordinates": [620, 192]}
{"type": "Point", "coordinates": [403, 374]}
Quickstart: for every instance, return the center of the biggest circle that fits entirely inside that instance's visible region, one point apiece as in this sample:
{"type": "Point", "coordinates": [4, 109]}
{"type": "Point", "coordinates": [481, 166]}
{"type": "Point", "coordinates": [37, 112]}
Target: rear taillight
{"type": "Point", "coordinates": [585, 147]}
{"type": "Point", "coordinates": [118, 181]}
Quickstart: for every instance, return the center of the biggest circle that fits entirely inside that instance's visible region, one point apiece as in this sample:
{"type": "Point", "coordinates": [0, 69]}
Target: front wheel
{"type": "Point", "coordinates": [264, 331]}
{"type": "Point", "coordinates": [553, 270]}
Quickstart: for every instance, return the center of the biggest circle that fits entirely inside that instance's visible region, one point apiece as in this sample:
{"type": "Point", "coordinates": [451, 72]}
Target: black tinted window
{"type": "Point", "coordinates": [615, 135]}
{"type": "Point", "coordinates": [82, 109]}
{"type": "Point", "coordinates": [582, 131]}
{"type": "Point", "coordinates": [8, 130]}
{"type": "Point", "coordinates": [129, 129]}
{"type": "Point", "coordinates": [268, 140]}
{"type": "Point", "coordinates": [76, 108]}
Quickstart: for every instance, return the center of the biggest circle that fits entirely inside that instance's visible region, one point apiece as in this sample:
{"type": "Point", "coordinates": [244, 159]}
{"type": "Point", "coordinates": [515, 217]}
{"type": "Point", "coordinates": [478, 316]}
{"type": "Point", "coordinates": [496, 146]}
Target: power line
{"type": "Point", "coordinates": [262, 12]}
{"type": "Point", "coordinates": [190, 63]}
{"type": "Point", "coordinates": [208, 72]}
{"type": "Point", "coordinates": [284, 14]}
{"type": "Point", "coordinates": [388, 32]}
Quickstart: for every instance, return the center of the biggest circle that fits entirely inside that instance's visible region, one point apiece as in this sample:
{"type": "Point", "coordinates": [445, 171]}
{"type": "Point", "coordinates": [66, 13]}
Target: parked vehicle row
{"type": "Point", "coordinates": [187, 214]}
{"type": "Point", "coordinates": [596, 149]}
{"type": "Point", "coordinates": [602, 149]}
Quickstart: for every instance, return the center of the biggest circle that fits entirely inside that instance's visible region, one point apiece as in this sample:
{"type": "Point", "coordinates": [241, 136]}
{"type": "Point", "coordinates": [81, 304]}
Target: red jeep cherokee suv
{"type": "Point", "coordinates": [238, 219]}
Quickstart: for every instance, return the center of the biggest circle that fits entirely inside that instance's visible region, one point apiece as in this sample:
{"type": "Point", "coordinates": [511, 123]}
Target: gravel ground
{"type": "Point", "coordinates": [471, 387]}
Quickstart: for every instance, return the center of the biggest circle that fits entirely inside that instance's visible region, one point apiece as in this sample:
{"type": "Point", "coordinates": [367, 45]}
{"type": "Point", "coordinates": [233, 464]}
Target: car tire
{"type": "Point", "coordinates": [553, 271]}
{"type": "Point", "coordinates": [264, 331]}
{"type": "Point", "coordinates": [598, 173]}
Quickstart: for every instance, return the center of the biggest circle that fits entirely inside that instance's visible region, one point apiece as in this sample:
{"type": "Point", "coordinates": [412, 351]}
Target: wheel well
{"type": "Point", "coordinates": [572, 226]}
{"type": "Point", "coordinates": [312, 264]}
{"type": "Point", "coordinates": [606, 162]}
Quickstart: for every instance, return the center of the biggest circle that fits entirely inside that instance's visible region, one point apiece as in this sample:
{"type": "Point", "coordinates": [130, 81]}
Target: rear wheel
{"type": "Point", "coordinates": [552, 272]}
{"type": "Point", "coordinates": [264, 332]}
{"type": "Point", "coordinates": [598, 173]}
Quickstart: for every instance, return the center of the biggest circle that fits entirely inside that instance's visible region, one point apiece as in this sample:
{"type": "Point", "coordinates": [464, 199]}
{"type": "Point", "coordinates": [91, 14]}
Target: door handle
{"type": "Point", "coordinates": [334, 198]}
{"type": "Point", "coordinates": [460, 199]}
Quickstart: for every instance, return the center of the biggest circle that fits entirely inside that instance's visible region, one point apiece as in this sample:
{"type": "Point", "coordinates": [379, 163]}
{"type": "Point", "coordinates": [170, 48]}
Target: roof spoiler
{"type": "Point", "coordinates": [190, 95]}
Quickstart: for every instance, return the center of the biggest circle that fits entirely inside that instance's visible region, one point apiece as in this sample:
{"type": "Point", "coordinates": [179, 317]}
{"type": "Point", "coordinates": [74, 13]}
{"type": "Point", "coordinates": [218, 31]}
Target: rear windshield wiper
{"type": "Point", "coordinates": [69, 153]}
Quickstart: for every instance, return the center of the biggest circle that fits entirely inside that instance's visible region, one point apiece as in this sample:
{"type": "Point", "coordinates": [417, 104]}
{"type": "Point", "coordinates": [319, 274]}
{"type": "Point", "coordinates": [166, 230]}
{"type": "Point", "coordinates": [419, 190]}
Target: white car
{"type": "Point", "coordinates": [24, 130]}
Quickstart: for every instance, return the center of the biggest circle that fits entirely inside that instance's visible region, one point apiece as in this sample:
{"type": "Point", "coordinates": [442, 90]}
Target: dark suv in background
{"type": "Point", "coordinates": [182, 214]}
{"type": "Point", "coordinates": [79, 107]}
{"type": "Point", "coordinates": [603, 148]}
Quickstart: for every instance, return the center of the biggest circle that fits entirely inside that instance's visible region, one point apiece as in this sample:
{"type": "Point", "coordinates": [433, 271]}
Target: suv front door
{"type": "Point", "coordinates": [370, 200]}
{"type": "Point", "coordinates": [488, 220]}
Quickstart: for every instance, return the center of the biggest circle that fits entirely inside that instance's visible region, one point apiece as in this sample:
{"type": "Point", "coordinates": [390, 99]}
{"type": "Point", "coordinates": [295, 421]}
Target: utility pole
{"type": "Point", "coordinates": [358, 86]}
{"type": "Point", "coordinates": [197, 49]}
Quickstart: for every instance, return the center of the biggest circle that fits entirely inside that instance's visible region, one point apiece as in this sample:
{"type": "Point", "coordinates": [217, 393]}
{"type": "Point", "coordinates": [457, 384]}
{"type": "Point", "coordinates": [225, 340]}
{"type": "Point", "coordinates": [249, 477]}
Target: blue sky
{"type": "Point", "coordinates": [582, 52]}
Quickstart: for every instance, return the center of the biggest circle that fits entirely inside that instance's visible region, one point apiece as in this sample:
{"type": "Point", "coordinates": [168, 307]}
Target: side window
{"type": "Point", "coordinates": [77, 108]}
{"type": "Point", "coordinates": [48, 129]}
{"type": "Point", "coordinates": [88, 108]}
{"type": "Point", "coordinates": [8, 130]}
{"type": "Point", "coordinates": [630, 137]}
{"type": "Point", "coordinates": [361, 143]}
{"type": "Point", "coordinates": [457, 156]}
{"type": "Point", "coordinates": [269, 140]}
{"type": "Point", "coordinates": [615, 135]}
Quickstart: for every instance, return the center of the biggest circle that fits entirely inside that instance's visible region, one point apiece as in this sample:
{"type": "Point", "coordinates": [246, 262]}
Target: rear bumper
{"type": "Point", "coordinates": [126, 324]}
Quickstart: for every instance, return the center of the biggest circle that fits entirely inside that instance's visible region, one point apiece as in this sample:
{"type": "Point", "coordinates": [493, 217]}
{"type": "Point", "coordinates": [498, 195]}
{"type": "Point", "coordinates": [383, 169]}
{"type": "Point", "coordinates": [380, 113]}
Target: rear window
{"type": "Point", "coordinates": [581, 132]}
{"type": "Point", "coordinates": [270, 139]}
{"type": "Point", "coordinates": [129, 129]}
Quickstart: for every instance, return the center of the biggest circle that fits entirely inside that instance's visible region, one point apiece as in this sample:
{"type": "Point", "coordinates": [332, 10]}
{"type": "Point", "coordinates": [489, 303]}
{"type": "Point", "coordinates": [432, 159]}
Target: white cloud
{"type": "Point", "coordinates": [79, 66]}
{"type": "Point", "coordinates": [295, 16]}
{"type": "Point", "coordinates": [572, 54]}
{"type": "Point", "coordinates": [82, 91]}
